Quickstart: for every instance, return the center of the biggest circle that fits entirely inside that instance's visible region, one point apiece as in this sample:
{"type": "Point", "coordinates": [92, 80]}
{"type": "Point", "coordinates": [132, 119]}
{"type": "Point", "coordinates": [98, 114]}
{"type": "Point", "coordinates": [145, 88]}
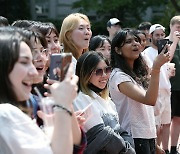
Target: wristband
{"type": "Point", "coordinates": [58, 106]}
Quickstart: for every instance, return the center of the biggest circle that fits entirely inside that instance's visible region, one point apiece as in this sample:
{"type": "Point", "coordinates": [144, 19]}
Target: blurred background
{"type": "Point", "coordinates": [130, 12]}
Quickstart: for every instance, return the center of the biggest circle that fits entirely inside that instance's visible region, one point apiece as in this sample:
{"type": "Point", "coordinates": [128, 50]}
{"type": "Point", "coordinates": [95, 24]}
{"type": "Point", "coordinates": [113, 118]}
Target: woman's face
{"type": "Point", "coordinates": [98, 78]}
{"type": "Point", "coordinates": [105, 49]}
{"type": "Point", "coordinates": [143, 41]}
{"type": "Point", "coordinates": [39, 59]}
{"type": "Point", "coordinates": [23, 73]}
{"type": "Point", "coordinates": [53, 42]}
{"type": "Point", "coordinates": [131, 49]}
{"type": "Point", "coordinates": [81, 35]}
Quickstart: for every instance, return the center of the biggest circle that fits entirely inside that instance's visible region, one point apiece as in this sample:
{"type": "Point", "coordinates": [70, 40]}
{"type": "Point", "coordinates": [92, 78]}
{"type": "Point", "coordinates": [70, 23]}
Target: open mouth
{"type": "Point", "coordinates": [86, 39]}
{"type": "Point", "coordinates": [135, 50]}
{"type": "Point", "coordinates": [54, 51]}
{"type": "Point", "coordinates": [39, 68]}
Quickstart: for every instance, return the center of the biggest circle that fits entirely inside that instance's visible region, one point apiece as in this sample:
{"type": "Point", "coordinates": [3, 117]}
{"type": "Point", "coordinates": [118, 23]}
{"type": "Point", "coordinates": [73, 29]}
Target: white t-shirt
{"type": "Point", "coordinates": [19, 134]}
{"type": "Point", "coordinates": [150, 54]}
{"type": "Point", "coordinates": [136, 118]}
{"type": "Point", "coordinates": [74, 62]}
{"type": "Point", "coordinates": [101, 111]}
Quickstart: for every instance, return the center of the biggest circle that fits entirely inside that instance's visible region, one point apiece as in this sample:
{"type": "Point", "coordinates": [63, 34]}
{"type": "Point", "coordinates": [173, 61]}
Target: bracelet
{"type": "Point", "coordinates": [58, 106]}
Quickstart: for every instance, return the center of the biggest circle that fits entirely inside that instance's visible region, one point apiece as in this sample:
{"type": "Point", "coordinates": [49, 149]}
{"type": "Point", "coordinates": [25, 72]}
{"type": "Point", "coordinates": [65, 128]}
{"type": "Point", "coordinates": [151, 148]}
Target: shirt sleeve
{"type": "Point", "coordinates": [20, 134]}
{"type": "Point", "coordinates": [117, 78]}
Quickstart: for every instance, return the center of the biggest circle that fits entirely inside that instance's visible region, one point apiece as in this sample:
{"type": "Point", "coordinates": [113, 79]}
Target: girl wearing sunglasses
{"type": "Point", "coordinates": [128, 85]}
{"type": "Point", "coordinates": [102, 128]}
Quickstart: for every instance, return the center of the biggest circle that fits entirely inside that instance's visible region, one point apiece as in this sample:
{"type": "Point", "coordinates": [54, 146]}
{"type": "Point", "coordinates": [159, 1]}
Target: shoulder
{"type": "Point", "coordinates": [7, 110]}
{"type": "Point", "coordinates": [82, 95]}
{"type": "Point", "coordinates": [150, 50]}
{"type": "Point", "coordinates": [118, 76]}
{"type": "Point", "coordinates": [10, 114]}
{"type": "Point", "coordinates": [147, 50]}
{"type": "Point", "coordinates": [82, 100]}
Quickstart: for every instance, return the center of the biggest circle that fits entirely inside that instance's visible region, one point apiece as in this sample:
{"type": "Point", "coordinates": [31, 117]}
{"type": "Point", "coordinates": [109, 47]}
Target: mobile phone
{"type": "Point", "coordinates": [59, 61]}
{"type": "Point", "coordinates": [161, 44]}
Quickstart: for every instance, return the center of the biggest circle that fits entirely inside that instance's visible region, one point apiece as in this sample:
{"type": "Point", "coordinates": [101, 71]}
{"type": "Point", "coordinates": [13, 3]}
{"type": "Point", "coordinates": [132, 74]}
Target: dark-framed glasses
{"type": "Point", "coordinates": [99, 72]}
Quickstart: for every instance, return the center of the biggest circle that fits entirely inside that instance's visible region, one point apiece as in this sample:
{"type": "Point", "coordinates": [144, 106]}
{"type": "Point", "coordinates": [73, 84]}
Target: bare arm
{"type": "Point", "coordinates": [76, 130]}
{"type": "Point", "coordinates": [175, 39]}
{"type": "Point", "coordinates": [62, 139]}
{"type": "Point", "coordinates": [140, 95]}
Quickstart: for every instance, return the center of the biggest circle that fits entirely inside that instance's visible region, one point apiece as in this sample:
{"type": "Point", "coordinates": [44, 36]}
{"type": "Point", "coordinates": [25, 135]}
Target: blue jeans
{"type": "Point", "coordinates": [145, 146]}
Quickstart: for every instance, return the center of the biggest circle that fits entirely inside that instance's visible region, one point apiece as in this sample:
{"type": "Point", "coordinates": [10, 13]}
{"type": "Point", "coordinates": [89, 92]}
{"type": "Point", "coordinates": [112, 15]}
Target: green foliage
{"type": "Point", "coordinates": [15, 9]}
{"type": "Point", "coordinates": [130, 12]}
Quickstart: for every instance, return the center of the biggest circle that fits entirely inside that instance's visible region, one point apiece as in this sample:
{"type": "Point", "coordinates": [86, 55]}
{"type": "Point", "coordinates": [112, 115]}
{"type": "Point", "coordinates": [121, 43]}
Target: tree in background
{"type": "Point", "coordinates": [15, 9]}
{"type": "Point", "coordinates": [130, 12]}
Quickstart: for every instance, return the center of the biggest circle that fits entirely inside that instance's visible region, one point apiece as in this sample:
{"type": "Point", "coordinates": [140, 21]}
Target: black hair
{"type": "Point", "coordinates": [25, 33]}
{"type": "Point", "coordinates": [45, 28]}
{"type": "Point", "coordinates": [140, 32]}
{"type": "Point", "coordinates": [139, 72]}
{"type": "Point", "coordinates": [28, 25]}
{"type": "Point", "coordinates": [97, 41]}
{"type": "Point", "coordinates": [144, 26]}
{"type": "Point", "coordinates": [9, 53]}
{"type": "Point", "coordinates": [86, 64]}
{"type": "Point", "coordinates": [23, 23]}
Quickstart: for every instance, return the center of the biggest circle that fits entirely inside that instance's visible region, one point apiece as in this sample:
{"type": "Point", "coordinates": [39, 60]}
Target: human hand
{"type": "Point", "coordinates": [171, 69]}
{"type": "Point", "coordinates": [80, 118]}
{"type": "Point", "coordinates": [48, 85]}
{"type": "Point", "coordinates": [92, 118]}
{"type": "Point", "coordinates": [162, 58]}
{"type": "Point", "coordinates": [176, 36]}
{"type": "Point", "coordinates": [48, 120]}
{"type": "Point", "coordinates": [159, 150]}
{"type": "Point", "coordinates": [60, 90]}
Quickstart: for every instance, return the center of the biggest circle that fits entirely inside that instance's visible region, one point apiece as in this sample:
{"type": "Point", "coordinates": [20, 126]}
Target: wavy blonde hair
{"type": "Point", "coordinates": [70, 23]}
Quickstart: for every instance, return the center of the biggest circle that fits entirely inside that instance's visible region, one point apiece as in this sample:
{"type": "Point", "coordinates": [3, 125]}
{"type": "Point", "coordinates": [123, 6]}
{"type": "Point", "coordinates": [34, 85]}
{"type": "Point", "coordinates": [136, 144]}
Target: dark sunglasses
{"type": "Point", "coordinates": [100, 71]}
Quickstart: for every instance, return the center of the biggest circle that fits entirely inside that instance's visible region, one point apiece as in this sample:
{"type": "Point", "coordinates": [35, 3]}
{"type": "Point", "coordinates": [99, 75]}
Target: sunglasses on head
{"type": "Point", "coordinates": [100, 71]}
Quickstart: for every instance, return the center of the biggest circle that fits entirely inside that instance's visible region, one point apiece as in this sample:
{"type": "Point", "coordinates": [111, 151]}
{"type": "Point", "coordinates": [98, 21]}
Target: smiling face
{"type": "Point", "coordinates": [131, 48]}
{"type": "Point", "coordinates": [23, 73]}
{"type": "Point", "coordinates": [98, 80]}
{"type": "Point", "coordinates": [39, 59]}
{"type": "Point", "coordinates": [81, 35]}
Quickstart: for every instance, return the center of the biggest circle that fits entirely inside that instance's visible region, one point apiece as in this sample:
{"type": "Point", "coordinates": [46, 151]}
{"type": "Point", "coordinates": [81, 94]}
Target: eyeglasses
{"type": "Point", "coordinates": [36, 53]}
{"type": "Point", "coordinates": [100, 71]}
{"type": "Point", "coordinates": [43, 51]}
